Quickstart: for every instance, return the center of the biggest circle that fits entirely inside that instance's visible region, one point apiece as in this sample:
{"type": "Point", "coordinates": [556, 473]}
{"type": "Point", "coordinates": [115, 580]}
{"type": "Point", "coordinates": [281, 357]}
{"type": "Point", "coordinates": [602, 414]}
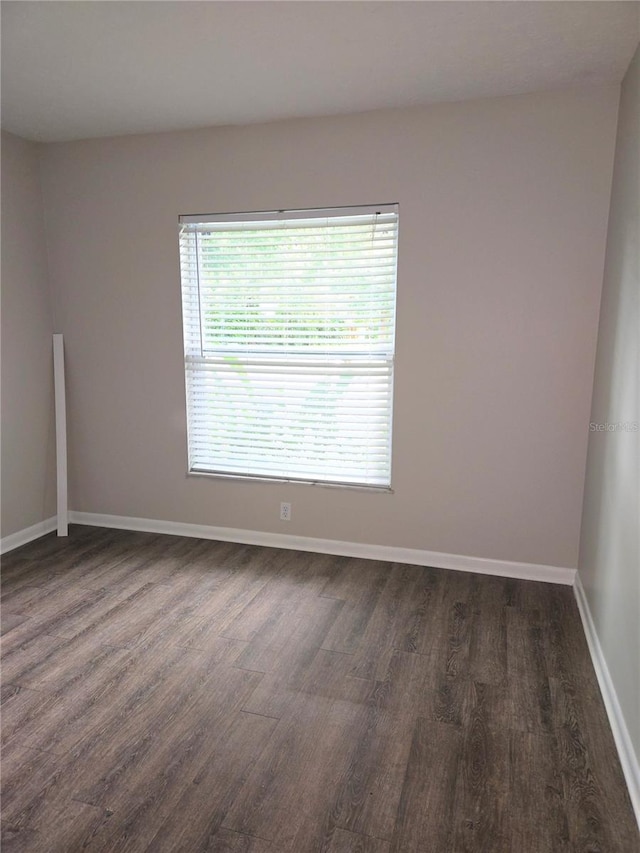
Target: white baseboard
{"type": "Point", "coordinates": [479, 565]}
{"type": "Point", "coordinates": [15, 540]}
{"type": "Point", "coordinates": [626, 752]}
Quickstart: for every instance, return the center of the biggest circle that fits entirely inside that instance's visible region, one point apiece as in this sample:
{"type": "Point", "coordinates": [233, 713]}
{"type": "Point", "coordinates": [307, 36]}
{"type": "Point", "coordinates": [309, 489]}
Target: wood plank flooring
{"type": "Point", "coordinates": [169, 694]}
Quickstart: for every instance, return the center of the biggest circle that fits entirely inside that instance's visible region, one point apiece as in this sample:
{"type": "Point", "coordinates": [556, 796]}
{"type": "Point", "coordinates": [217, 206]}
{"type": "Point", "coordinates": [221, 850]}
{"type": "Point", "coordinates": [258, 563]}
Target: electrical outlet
{"type": "Point", "coordinates": [285, 512]}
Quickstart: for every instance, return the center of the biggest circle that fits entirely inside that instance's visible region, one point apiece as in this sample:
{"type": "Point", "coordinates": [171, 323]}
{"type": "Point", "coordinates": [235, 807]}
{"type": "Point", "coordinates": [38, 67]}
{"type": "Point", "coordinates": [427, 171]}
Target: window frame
{"type": "Point", "coordinates": [292, 215]}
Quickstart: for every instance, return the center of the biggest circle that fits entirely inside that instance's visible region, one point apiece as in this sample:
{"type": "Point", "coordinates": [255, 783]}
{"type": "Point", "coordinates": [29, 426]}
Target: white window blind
{"type": "Point", "coordinates": [289, 323]}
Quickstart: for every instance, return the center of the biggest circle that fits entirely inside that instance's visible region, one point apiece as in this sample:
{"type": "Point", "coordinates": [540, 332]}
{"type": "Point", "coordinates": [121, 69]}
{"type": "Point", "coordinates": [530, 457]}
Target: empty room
{"type": "Point", "coordinates": [320, 521]}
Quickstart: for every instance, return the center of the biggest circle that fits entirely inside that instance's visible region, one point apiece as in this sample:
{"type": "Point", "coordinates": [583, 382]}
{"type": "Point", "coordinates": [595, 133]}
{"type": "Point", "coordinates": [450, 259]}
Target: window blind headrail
{"type": "Point", "coordinates": [264, 217]}
{"type": "Point", "coordinates": [372, 231]}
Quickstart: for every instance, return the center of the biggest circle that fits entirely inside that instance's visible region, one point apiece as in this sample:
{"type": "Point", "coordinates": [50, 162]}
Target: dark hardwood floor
{"type": "Point", "coordinates": [170, 694]}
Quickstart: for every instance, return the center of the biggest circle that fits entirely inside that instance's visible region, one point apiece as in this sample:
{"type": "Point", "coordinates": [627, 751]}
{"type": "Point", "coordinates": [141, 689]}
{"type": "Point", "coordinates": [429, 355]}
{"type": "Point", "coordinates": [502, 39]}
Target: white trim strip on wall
{"type": "Point", "coordinates": [621, 736]}
{"type": "Point", "coordinates": [61, 435]}
{"type": "Point", "coordinates": [414, 556]}
{"type": "Point", "coordinates": [23, 537]}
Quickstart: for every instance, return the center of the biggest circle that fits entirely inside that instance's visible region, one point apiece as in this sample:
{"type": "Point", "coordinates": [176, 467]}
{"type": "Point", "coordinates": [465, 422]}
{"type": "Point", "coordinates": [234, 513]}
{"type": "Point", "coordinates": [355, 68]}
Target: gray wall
{"type": "Point", "coordinates": [610, 543]}
{"type": "Point", "coordinates": [28, 452]}
{"type": "Point", "coordinates": [503, 216]}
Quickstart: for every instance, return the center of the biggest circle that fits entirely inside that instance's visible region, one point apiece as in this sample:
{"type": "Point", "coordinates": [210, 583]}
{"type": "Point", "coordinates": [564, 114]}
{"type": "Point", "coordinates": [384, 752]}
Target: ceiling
{"type": "Point", "coordinates": [72, 70]}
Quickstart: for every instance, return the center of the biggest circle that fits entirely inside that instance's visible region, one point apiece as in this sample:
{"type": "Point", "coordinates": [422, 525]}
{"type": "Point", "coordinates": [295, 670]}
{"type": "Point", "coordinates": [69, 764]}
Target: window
{"type": "Point", "coordinates": [289, 321]}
